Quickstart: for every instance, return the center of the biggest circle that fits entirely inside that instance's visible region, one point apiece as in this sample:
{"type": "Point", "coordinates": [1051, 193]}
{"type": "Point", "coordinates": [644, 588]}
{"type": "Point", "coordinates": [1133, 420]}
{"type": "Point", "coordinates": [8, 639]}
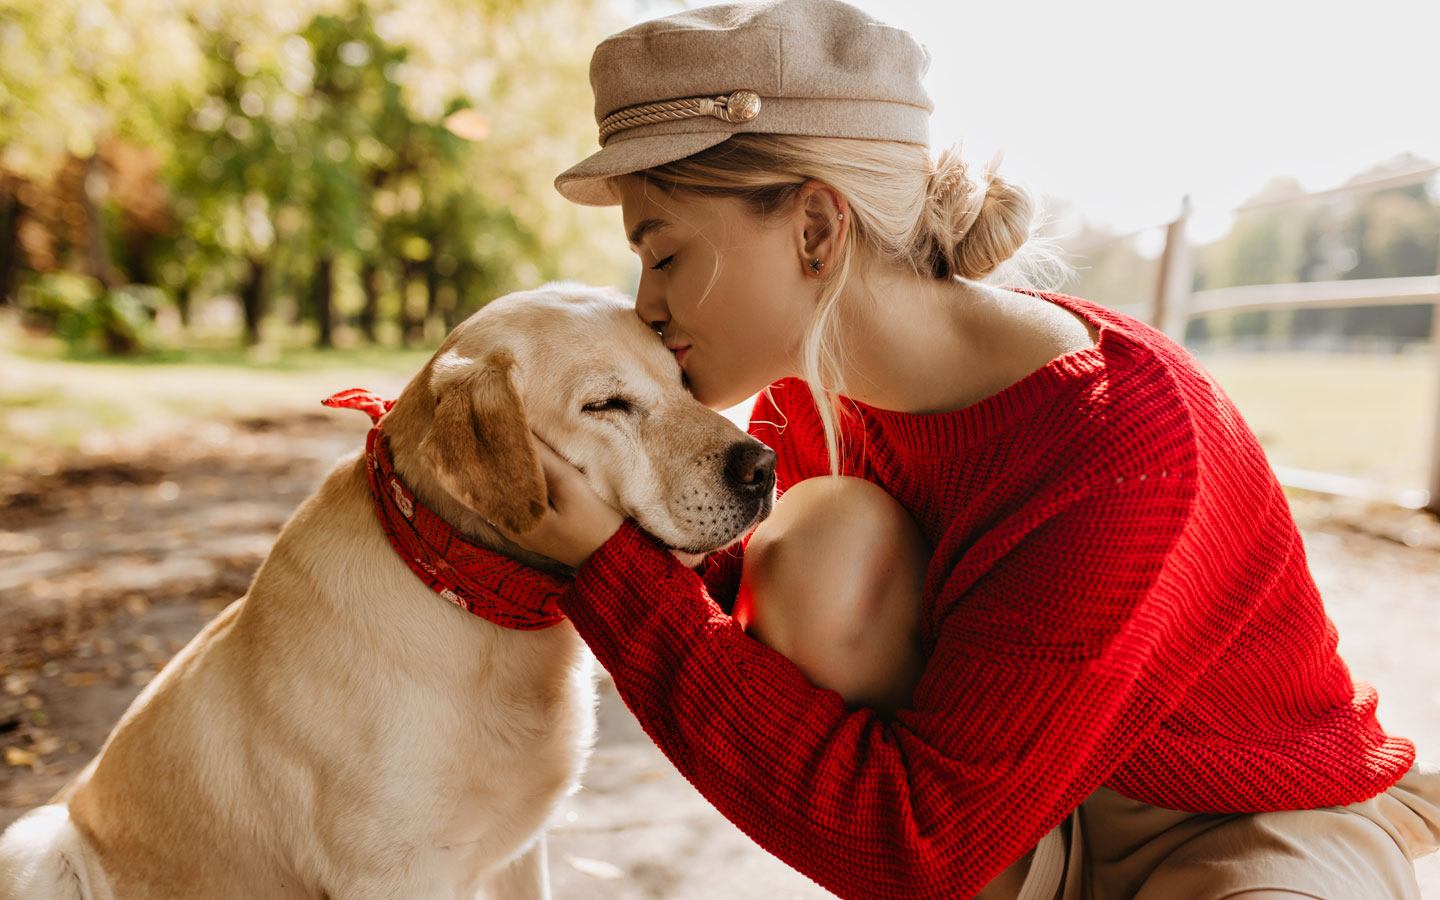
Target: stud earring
{"type": "Point", "coordinates": [817, 265]}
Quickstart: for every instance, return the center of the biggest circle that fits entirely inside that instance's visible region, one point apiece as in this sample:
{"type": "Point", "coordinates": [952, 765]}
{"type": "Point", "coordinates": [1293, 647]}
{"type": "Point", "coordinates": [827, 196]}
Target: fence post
{"type": "Point", "coordinates": [1432, 504]}
{"type": "Point", "coordinates": [1177, 274]}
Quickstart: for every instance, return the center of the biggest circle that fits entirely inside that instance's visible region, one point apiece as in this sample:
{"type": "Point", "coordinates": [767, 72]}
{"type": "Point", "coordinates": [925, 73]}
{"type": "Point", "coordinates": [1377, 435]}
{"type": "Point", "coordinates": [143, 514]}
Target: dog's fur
{"type": "Point", "coordinates": [340, 731]}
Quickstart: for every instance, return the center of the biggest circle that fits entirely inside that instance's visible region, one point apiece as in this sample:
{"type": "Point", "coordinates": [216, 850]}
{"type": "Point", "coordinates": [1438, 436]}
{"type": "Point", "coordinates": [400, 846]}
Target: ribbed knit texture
{"type": "Point", "coordinates": [1118, 596]}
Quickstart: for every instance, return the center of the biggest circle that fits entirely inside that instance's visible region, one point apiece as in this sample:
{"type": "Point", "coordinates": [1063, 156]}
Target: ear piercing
{"type": "Point", "coordinates": [817, 264]}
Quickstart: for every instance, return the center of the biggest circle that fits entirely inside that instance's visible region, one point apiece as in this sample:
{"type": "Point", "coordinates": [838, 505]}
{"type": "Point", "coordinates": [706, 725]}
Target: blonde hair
{"type": "Point", "coordinates": [906, 210]}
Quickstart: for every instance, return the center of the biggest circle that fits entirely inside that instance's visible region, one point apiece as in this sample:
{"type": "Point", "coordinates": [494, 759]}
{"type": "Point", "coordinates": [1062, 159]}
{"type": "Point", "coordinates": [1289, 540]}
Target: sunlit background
{"type": "Point", "coordinates": [213, 214]}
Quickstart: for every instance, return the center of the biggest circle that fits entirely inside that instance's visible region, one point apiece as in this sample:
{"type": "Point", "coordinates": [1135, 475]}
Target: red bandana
{"type": "Point", "coordinates": [440, 556]}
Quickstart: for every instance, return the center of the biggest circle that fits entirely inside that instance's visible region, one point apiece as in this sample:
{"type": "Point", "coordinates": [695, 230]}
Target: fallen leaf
{"type": "Point", "coordinates": [14, 756]}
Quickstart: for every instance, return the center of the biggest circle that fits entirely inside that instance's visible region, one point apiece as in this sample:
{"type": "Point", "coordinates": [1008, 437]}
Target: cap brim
{"type": "Point", "coordinates": [585, 182]}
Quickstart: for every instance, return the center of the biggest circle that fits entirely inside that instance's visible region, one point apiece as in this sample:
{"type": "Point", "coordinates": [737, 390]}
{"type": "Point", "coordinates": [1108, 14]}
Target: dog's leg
{"type": "Point", "coordinates": [526, 877]}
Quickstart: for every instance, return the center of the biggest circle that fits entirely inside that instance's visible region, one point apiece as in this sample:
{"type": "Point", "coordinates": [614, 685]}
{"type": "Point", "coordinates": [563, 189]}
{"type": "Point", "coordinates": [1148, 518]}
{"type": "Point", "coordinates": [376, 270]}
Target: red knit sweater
{"type": "Point", "coordinates": [1118, 596]}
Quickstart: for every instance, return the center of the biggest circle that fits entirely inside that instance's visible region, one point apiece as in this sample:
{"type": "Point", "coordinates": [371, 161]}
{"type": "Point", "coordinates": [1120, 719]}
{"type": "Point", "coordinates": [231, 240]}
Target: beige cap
{"type": "Point", "coordinates": [672, 86]}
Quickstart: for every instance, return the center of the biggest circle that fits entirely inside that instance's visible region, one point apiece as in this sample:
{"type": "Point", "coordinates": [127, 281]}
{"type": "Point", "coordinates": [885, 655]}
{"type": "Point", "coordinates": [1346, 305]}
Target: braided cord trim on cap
{"type": "Point", "coordinates": [737, 106]}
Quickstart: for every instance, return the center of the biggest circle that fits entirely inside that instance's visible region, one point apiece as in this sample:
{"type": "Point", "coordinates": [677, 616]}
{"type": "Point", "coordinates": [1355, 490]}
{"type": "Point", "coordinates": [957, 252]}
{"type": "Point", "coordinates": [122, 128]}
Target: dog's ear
{"type": "Point", "coordinates": [481, 448]}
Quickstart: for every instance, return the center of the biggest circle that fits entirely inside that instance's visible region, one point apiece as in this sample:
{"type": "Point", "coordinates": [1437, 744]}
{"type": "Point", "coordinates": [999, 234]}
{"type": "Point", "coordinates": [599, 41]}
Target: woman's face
{"type": "Point", "coordinates": [727, 287]}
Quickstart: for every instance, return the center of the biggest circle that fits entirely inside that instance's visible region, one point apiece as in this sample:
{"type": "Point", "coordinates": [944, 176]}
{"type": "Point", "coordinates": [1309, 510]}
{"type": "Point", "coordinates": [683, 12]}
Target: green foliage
{"type": "Point", "coordinates": [85, 314]}
{"type": "Point", "coordinates": [310, 141]}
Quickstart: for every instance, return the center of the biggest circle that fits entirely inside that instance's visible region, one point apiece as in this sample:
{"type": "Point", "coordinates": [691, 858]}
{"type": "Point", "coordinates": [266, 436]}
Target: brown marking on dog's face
{"type": "Point", "coordinates": [480, 445]}
{"type": "Point", "coordinates": [598, 385]}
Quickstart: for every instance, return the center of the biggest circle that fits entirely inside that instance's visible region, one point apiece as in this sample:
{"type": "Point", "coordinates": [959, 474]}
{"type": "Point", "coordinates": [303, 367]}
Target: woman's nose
{"type": "Point", "coordinates": [651, 311]}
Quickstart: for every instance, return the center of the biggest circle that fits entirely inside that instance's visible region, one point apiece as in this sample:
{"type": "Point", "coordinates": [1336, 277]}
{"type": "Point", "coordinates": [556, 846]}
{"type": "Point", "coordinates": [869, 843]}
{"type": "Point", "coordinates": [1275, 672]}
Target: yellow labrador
{"type": "Point", "coordinates": [341, 731]}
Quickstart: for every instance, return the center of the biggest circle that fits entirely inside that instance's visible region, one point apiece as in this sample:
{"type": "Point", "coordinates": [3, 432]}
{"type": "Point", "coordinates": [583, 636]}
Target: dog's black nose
{"type": "Point", "coordinates": [750, 468]}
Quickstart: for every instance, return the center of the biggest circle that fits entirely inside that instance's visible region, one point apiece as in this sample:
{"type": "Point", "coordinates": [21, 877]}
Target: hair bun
{"type": "Point", "coordinates": [974, 226]}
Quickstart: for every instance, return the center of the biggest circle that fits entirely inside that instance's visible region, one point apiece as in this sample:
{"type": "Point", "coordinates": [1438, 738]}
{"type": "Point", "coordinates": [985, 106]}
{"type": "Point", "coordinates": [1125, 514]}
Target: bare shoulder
{"type": "Point", "coordinates": [1027, 332]}
{"type": "Point", "coordinates": [1003, 336]}
{"type": "Point", "coordinates": [1063, 328]}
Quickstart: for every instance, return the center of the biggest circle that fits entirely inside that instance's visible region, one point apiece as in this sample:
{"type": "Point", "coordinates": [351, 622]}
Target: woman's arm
{"type": "Point", "coordinates": [721, 574]}
{"type": "Point", "coordinates": [1050, 666]}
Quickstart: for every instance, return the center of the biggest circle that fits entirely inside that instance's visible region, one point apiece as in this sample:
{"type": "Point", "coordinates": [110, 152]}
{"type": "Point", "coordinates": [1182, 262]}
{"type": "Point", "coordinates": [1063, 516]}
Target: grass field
{"type": "Point", "coordinates": [1362, 415]}
{"type": "Point", "coordinates": [53, 403]}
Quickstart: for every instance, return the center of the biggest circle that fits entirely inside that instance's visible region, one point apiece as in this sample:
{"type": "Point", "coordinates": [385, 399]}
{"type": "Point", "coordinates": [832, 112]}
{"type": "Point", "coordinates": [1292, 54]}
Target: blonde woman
{"type": "Point", "coordinates": [1032, 618]}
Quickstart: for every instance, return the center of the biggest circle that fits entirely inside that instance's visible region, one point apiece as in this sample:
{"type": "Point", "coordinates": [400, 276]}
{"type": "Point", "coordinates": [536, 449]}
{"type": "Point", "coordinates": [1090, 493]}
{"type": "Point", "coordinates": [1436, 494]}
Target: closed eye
{"type": "Point", "coordinates": [660, 266]}
{"type": "Point", "coordinates": [612, 404]}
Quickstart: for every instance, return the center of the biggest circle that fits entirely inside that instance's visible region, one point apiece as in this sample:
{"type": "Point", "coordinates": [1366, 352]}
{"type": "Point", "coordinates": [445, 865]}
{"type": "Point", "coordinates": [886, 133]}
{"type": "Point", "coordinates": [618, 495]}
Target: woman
{"type": "Point", "coordinates": [1053, 618]}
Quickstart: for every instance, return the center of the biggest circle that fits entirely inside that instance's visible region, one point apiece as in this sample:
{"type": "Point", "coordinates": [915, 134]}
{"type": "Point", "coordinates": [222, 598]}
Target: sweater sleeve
{"type": "Point", "coordinates": [1044, 672]}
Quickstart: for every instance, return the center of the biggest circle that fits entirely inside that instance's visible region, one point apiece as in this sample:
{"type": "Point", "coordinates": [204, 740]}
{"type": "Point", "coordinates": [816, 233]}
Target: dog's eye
{"type": "Point", "coordinates": [614, 404]}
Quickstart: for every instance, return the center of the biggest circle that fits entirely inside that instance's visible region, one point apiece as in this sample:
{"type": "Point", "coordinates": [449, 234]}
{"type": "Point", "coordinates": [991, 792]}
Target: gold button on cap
{"type": "Point", "coordinates": [742, 106]}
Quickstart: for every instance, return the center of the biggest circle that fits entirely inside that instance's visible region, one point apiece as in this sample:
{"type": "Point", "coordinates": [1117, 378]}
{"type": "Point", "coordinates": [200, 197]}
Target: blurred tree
{"type": "Point", "coordinates": [342, 155]}
{"type": "Point", "coordinates": [234, 167]}
{"type": "Point", "coordinates": [336, 186]}
{"type": "Point", "coordinates": [77, 87]}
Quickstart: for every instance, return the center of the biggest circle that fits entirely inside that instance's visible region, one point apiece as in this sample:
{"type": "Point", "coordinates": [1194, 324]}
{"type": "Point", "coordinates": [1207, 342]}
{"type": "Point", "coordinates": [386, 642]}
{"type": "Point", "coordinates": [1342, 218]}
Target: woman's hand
{"type": "Point", "coordinates": [578, 520]}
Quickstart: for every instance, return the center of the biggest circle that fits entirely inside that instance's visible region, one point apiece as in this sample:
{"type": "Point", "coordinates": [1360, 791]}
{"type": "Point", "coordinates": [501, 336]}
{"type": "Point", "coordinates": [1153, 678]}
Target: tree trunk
{"type": "Point", "coordinates": [323, 294]}
{"type": "Point", "coordinates": [252, 300]}
{"type": "Point", "coordinates": [97, 253]}
{"type": "Point", "coordinates": [370, 283]}
{"type": "Point", "coordinates": [92, 196]}
{"type": "Point", "coordinates": [411, 327]}
{"type": "Point", "coordinates": [432, 294]}
{"type": "Point", "coordinates": [450, 305]}
{"type": "Point", "coordinates": [11, 211]}
{"type": "Point", "coordinates": [139, 263]}
{"type": "Point", "coordinates": [182, 304]}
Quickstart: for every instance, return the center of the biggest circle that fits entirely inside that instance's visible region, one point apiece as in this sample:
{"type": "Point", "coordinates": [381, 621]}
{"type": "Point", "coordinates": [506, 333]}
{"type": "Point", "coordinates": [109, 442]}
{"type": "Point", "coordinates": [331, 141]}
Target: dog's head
{"type": "Point", "coordinates": [575, 364]}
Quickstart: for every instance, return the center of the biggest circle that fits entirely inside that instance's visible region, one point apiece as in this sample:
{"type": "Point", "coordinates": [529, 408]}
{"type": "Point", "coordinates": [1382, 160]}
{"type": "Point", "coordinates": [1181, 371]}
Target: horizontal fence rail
{"type": "Point", "coordinates": [1173, 304]}
{"type": "Point", "coordinates": [1420, 289]}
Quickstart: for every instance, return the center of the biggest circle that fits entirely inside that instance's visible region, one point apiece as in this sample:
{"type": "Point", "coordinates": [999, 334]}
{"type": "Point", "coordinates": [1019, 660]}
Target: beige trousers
{"type": "Point", "coordinates": [1115, 848]}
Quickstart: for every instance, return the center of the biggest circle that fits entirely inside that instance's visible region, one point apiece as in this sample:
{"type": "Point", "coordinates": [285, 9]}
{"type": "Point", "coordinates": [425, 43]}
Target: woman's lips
{"type": "Point", "coordinates": [681, 353]}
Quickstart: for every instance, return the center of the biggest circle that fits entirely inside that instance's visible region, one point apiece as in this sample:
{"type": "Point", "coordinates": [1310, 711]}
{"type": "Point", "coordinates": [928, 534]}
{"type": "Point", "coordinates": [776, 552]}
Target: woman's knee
{"type": "Point", "coordinates": [834, 577]}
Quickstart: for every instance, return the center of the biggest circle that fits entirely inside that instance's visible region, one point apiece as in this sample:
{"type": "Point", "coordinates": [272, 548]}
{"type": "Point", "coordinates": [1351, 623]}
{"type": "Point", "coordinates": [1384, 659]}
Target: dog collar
{"type": "Point", "coordinates": [458, 570]}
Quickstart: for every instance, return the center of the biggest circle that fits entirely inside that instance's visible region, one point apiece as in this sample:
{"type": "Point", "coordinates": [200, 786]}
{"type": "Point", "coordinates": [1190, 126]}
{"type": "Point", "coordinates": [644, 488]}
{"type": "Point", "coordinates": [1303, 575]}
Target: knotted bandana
{"type": "Point", "coordinates": [489, 584]}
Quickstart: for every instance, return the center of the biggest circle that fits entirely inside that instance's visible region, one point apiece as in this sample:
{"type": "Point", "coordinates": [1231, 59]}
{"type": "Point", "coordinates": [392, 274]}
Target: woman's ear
{"type": "Point", "coordinates": [820, 234]}
{"type": "Point", "coordinates": [480, 446]}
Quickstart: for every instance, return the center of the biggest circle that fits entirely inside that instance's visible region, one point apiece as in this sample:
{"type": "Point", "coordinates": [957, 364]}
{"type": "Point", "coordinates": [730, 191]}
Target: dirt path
{"type": "Point", "coordinates": [108, 565]}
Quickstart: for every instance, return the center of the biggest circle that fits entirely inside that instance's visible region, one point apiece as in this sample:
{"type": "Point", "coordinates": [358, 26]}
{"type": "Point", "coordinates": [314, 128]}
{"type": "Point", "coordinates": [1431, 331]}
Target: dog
{"type": "Point", "coordinates": [342, 730]}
